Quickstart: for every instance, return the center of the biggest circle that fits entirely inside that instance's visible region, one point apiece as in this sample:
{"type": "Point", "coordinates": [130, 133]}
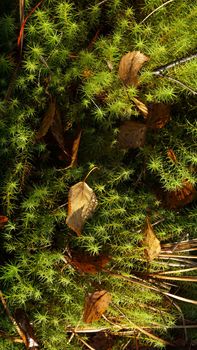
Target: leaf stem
{"type": "Point", "coordinates": [155, 10]}
{"type": "Point", "coordinates": [88, 174]}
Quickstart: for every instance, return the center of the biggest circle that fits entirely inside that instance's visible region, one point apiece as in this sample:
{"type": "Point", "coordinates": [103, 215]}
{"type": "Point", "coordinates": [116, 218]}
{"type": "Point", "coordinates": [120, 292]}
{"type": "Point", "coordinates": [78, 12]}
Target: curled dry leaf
{"type": "Point", "coordinates": [47, 120]}
{"type": "Point", "coordinates": [171, 155]}
{"type": "Point", "coordinates": [151, 242]}
{"type": "Point", "coordinates": [82, 203]}
{"type": "Point", "coordinates": [158, 116]}
{"type": "Point", "coordinates": [87, 263]}
{"type": "Point", "coordinates": [52, 120]}
{"type": "Point", "coordinates": [132, 134]}
{"type": "Point", "coordinates": [141, 106]}
{"type": "Point", "coordinates": [75, 149]}
{"type": "Point", "coordinates": [180, 197]}
{"type": "Point", "coordinates": [95, 306]}
{"type": "Point", "coordinates": [129, 66]}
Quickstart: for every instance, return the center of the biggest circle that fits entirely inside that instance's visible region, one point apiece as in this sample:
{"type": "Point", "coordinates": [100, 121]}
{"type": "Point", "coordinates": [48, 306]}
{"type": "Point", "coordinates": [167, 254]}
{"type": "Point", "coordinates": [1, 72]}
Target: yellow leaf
{"type": "Point", "coordinates": [141, 106]}
{"type": "Point", "coordinates": [82, 203]}
{"type": "Point", "coordinates": [151, 242]}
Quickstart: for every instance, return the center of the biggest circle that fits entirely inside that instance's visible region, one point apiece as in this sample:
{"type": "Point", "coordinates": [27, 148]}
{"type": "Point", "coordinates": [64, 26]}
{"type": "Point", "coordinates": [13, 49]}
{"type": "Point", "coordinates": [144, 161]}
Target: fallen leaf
{"type": "Point", "coordinates": [75, 148]}
{"type": "Point", "coordinates": [151, 242]}
{"type": "Point", "coordinates": [132, 134]}
{"type": "Point", "coordinates": [95, 306]}
{"type": "Point", "coordinates": [82, 203]}
{"type": "Point", "coordinates": [171, 155]}
{"type": "Point", "coordinates": [141, 106]}
{"type": "Point", "coordinates": [88, 263]}
{"type": "Point", "coordinates": [52, 120]}
{"type": "Point", "coordinates": [158, 116]}
{"type": "Point", "coordinates": [57, 129]}
{"type": "Point", "coordinates": [129, 66]}
{"type": "Point", "coordinates": [47, 120]}
{"type": "Point", "coordinates": [180, 197]}
{"type": "Point", "coordinates": [3, 220]}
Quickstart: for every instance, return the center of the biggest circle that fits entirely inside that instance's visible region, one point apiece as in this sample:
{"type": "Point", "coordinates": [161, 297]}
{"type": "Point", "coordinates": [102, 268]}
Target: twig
{"type": "Point", "coordinates": [173, 64]}
{"type": "Point", "coordinates": [142, 330]}
{"type": "Point", "coordinates": [74, 331]}
{"type": "Point", "coordinates": [22, 335]}
{"type": "Point", "coordinates": [155, 10]}
{"type": "Point", "coordinates": [84, 342]}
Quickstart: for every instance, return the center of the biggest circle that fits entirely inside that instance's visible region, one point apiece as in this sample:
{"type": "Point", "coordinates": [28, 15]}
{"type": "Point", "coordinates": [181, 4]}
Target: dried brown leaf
{"type": "Point", "coordinates": [132, 134]}
{"type": "Point", "coordinates": [3, 220]}
{"type": "Point", "coordinates": [95, 306]}
{"type": "Point", "coordinates": [141, 106]}
{"type": "Point", "coordinates": [159, 115]}
{"type": "Point", "coordinates": [129, 66]}
{"type": "Point", "coordinates": [82, 203]}
{"type": "Point", "coordinates": [75, 148]}
{"type": "Point", "coordinates": [57, 129]}
{"type": "Point", "coordinates": [87, 263]}
{"type": "Point", "coordinates": [151, 242]}
{"type": "Point", "coordinates": [52, 120]}
{"type": "Point", "coordinates": [180, 197]}
{"type": "Point", "coordinates": [47, 120]}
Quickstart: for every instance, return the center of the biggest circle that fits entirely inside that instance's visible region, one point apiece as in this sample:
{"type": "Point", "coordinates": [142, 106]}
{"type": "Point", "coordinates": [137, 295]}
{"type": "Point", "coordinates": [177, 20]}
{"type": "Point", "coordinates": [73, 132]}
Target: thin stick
{"type": "Point", "coordinates": [74, 331]}
{"type": "Point", "coordinates": [173, 64]}
{"type": "Point", "coordinates": [155, 10]}
{"type": "Point", "coordinates": [22, 335]}
{"type": "Point", "coordinates": [142, 330]}
{"type": "Point", "coordinates": [84, 342]}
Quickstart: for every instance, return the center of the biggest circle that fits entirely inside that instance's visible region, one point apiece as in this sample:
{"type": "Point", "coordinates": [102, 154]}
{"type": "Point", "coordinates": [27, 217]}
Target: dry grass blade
{"type": "Point", "coordinates": [161, 255]}
{"type": "Point", "coordinates": [190, 301]}
{"type": "Point", "coordinates": [142, 330]}
{"type": "Point", "coordinates": [177, 278]}
{"type": "Point", "coordinates": [174, 271]}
